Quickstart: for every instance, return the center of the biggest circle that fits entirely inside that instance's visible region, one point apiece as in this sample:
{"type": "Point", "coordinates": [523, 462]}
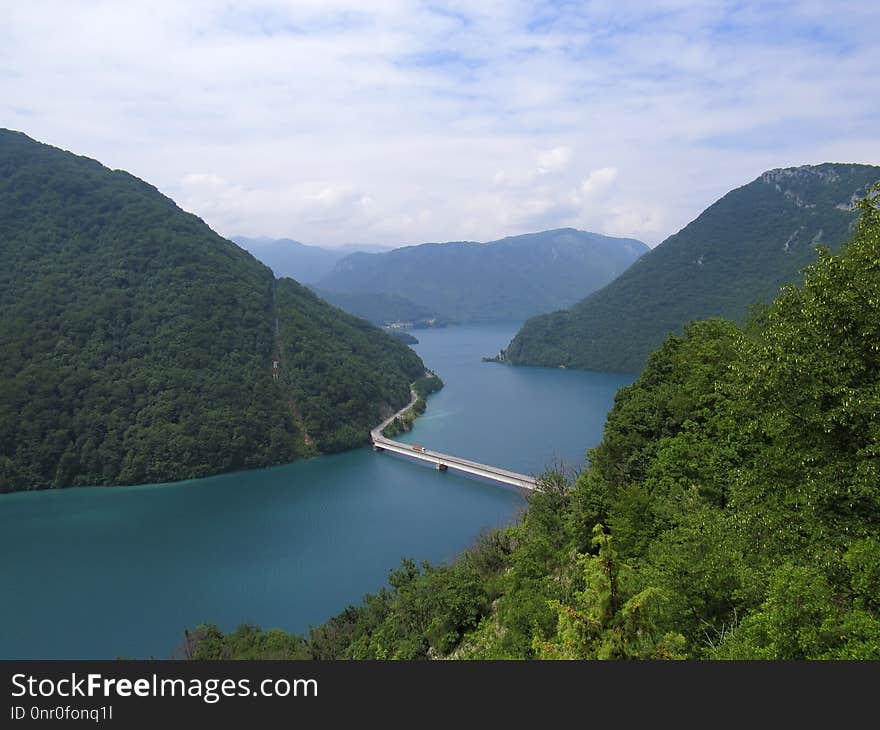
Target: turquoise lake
{"type": "Point", "coordinates": [121, 572]}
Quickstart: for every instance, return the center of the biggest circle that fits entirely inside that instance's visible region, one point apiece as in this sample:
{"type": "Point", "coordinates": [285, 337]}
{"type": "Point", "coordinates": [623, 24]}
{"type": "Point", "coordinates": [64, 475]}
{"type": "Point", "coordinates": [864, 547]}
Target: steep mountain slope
{"type": "Point", "coordinates": [286, 257]}
{"type": "Point", "coordinates": [738, 252]}
{"type": "Point", "coordinates": [380, 309]}
{"type": "Point", "coordinates": [136, 345]}
{"type": "Point", "coordinates": [307, 264]}
{"type": "Point", "coordinates": [303, 262]}
{"type": "Point", "coordinates": [508, 279]}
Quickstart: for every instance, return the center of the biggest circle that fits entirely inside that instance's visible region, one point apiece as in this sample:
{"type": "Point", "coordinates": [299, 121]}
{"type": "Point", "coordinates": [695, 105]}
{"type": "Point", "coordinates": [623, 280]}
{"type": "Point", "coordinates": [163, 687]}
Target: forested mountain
{"type": "Point", "coordinates": [380, 309]}
{"type": "Point", "coordinates": [732, 511]}
{"type": "Point", "coordinates": [287, 257]}
{"type": "Point", "coordinates": [737, 253]}
{"type": "Point", "coordinates": [308, 264]}
{"type": "Point", "coordinates": [513, 278]}
{"type": "Point", "coordinates": [136, 345]}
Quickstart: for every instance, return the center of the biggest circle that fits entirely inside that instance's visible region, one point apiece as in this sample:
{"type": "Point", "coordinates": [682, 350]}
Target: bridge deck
{"type": "Point", "coordinates": [467, 466]}
{"type": "Point", "coordinates": [485, 471]}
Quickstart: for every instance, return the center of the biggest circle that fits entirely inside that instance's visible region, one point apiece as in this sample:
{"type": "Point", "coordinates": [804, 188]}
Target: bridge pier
{"type": "Point", "coordinates": [376, 447]}
{"type": "Point", "coordinates": [442, 467]}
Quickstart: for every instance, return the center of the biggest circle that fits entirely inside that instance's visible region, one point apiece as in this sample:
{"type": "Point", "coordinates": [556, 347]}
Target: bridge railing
{"type": "Point", "coordinates": [486, 471]}
{"type": "Point", "coordinates": [471, 467]}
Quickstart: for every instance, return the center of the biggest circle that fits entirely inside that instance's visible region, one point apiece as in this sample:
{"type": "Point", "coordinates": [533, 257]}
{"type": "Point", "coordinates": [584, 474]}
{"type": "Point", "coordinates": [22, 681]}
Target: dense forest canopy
{"type": "Point", "coordinates": [732, 510]}
{"type": "Point", "coordinates": [136, 345]}
{"type": "Point", "coordinates": [736, 254]}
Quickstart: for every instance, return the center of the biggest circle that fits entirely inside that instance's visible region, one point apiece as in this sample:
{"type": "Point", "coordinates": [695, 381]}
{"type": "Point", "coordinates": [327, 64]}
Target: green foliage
{"type": "Point", "coordinates": [423, 387]}
{"type": "Point", "coordinates": [427, 384]}
{"type": "Point", "coordinates": [738, 252]}
{"type": "Point", "coordinates": [343, 373]}
{"type": "Point", "coordinates": [608, 620]}
{"type": "Point", "coordinates": [246, 642]}
{"type": "Point", "coordinates": [381, 308]}
{"type": "Point", "coordinates": [510, 279]}
{"type": "Point", "coordinates": [137, 345]}
{"type": "Point", "coordinates": [405, 337]}
{"type": "Point", "coordinates": [738, 487]}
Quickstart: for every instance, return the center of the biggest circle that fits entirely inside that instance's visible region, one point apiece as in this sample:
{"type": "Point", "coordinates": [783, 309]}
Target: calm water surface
{"type": "Point", "coordinates": [101, 573]}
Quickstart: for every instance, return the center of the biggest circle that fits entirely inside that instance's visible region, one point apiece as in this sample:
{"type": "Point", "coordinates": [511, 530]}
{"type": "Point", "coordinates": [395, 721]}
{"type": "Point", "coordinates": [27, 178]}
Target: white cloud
{"type": "Point", "coordinates": [647, 220]}
{"type": "Point", "coordinates": [598, 180]}
{"type": "Point", "coordinates": [554, 160]}
{"type": "Point", "coordinates": [312, 203]}
{"type": "Point", "coordinates": [399, 121]}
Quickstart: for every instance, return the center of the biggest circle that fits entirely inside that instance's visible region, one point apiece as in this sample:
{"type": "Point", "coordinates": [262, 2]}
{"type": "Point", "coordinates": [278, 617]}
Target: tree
{"type": "Point", "coordinates": [608, 618]}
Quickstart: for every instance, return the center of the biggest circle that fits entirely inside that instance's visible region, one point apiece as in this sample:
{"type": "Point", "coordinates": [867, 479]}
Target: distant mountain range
{"type": "Point", "coordinates": [509, 279]}
{"type": "Point", "coordinates": [739, 251]}
{"type": "Point", "coordinates": [305, 263]}
{"type": "Point", "coordinates": [137, 345]}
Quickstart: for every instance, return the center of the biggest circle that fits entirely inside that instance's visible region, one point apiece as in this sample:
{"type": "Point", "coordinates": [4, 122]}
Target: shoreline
{"type": "Point", "coordinates": [403, 420]}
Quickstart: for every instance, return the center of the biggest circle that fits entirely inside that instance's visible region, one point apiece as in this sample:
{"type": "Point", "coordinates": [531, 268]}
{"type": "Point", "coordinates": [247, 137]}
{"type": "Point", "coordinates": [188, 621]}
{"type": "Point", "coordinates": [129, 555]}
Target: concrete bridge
{"type": "Point", "coordinates": [442, 462]}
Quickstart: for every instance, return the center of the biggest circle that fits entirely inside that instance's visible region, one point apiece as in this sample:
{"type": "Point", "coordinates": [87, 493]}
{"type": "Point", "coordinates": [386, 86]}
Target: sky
{"type": "Point", "coordinates": [393, 122]}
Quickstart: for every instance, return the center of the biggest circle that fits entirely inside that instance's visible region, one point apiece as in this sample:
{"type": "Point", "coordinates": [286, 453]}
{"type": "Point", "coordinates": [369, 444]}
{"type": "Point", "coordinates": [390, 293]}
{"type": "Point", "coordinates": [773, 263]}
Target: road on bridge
{"type": "Point", "coordinates": [446, 461]}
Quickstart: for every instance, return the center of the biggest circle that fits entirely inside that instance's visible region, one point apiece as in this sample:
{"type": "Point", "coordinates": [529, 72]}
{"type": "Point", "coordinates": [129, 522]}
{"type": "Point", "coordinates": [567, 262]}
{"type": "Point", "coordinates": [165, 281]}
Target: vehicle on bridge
{"type": "Point", "coordinates": [444, 462]}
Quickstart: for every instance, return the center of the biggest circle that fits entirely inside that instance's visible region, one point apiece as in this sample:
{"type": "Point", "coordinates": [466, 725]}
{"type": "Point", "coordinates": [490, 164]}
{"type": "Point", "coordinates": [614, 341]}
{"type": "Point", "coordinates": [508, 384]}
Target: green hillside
{"type": "Point", "coordinates": [380, 309]}
{"type": "Point", "coordinates": [737, 253]}
{"type": "Point", "coordinates": [510, 279]}
{"type": "Point", "coordinates": [136, 345]}
{"type": "Point", "coordinates": [732, 511]}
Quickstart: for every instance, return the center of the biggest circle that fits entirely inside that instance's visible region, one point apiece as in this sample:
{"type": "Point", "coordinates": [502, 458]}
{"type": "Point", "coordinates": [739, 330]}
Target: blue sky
{"type": "Point", "coordinates": [398, 122]}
